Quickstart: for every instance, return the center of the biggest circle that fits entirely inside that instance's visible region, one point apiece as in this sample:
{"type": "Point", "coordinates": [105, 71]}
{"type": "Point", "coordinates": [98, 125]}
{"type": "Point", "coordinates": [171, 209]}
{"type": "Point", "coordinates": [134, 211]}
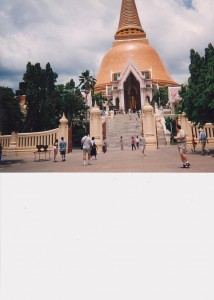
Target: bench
{"type": "Point", "coordinates": [46, 154]}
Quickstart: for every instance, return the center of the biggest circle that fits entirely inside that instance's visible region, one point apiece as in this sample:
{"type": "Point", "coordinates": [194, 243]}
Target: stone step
{"type": "Point", "coordinates": [121, 125]}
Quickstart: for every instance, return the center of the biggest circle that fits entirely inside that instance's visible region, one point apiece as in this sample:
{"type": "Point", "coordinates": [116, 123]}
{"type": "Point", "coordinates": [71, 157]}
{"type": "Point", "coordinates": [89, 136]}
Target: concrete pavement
{"type": "Point", "coordinates": [165, 159]}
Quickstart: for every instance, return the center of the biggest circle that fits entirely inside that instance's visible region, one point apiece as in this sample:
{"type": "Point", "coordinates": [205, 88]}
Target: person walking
{"type": "Point", "coordinates": [104, 145]}
{"type": "Point", "coordinates": [142, 143]}
{"type": "Point", "coordinates": [136, 123]}
{"type": "Point", "coordinates": [137, 142]}
{"type": "Point", "coordinates": [203, 141]}
{"type": "Point", "coordinates": [121, 143]}
{"type": "Point", "coordinates": [86, 147]}
{"type": "Point", "coordinates": [194, 143]}
{"type": "Point", "coordinates": [133, 143]}
{"type": "Point", "coordinates": [55, 147]}
{"type": "Point", "coordinates": [62, 148]}
{"type": "Point", "coordinates": [182, 148]}
{"type": "Point", "coordinates": [93, 148]}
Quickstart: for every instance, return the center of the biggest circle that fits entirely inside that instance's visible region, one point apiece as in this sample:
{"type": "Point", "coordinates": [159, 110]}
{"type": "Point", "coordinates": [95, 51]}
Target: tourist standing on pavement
{"type": "Point", "coordinates": [203, 141]}
{"type": "Point", "coordinates": [137, 142]}
{"type": "Point", "coordinates": [194, 143]}
{"type": "Point", "coordinates": [104, 145]}
{"type": "Point", "coordinates": [86, 147]}
{"type": "Point", "coordinates": [133, 143]}
{"type": "Point", "coordinates": [121, 143]}
{"type": "Point", "coordinates": [142, 143]}
{"type": "Point", "coordinates": [94, 148]}
{"type": "Point", "coordinates": [62, 148]}
{"type": "Point", "coordinates": [181, 140]}
{"type": "Point", "coordinates": [55, 147]}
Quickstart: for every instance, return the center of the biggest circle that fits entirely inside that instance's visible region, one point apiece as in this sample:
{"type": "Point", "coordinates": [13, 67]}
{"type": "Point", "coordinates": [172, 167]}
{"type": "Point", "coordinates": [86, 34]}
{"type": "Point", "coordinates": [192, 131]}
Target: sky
{"type": "Point", "coordinates": [74, 35]}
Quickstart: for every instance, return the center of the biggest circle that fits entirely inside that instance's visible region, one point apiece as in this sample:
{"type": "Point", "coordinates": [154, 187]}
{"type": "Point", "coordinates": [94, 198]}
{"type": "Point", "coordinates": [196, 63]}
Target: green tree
{"type": "Point", "coordinates": [42, 98]}
{"type": "Point", "coordinates": [160, 96]}
{"type": "Point", "coordinates": [11, 117]}
{"type": "Point", "coordinates": [72, 103]}
{"type": "Point", "coordinates": [198, 95]}
{"type": "Point", "coordinates": [87, 82]}
{"type": "Point", "coordinates": [75, 110]}
{"type": "Point", "coordinates": [98, 99]}
{"type": "Point", "coordinates": [52, 107]}
{"type": "Point", "coordinates": [171, 126]}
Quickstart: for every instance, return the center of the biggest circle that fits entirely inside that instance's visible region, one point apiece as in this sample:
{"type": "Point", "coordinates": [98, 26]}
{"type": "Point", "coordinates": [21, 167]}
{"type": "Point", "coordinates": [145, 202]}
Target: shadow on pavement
{"type": "Point", "coordinates": [8, 162]}
{"type": "Point", "coordinates": [209, 152]}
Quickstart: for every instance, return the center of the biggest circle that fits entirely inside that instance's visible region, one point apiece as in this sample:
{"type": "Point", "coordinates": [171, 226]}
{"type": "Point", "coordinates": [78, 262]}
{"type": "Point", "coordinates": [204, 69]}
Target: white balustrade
{"type": "Point", "coordinates": [28, 141]}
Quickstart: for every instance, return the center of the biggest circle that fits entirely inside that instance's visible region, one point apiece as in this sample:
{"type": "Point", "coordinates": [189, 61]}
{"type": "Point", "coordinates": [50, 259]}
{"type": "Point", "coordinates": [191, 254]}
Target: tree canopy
{"type": "Point", "coordinates": [72, 102]}
{"type": "Point", "coordinates": [11, 117]}
{"type": "Point", "coordinates": [42, 99]}
{"type": "Point", "coordinates": [160, 96]}
{"type": "Point", "coordinates": [45, 101]}
{"type": "Point", "coordinates": [99, 99]}
{"type": "Point", "coordinates": [198, 95]}
{"type": "Point", "coordinates": [87, 81]}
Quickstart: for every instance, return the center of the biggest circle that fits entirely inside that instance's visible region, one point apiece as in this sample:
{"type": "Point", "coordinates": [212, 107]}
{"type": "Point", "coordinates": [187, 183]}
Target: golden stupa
{"type": "Point", "coordinates": [131, 45]}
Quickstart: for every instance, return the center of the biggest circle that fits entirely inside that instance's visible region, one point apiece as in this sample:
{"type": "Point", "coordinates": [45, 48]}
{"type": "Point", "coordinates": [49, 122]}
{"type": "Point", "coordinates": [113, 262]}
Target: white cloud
{"type": "Point", "coordinates": [75, 35]}
{"type": "Point", "coordinates": [173, 30]}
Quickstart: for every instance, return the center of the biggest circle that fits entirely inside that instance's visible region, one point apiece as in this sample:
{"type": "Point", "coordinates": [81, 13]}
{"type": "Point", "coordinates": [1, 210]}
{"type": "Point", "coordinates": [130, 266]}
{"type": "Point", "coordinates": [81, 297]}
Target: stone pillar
{"type": "Point", "coordinates": [63, 129]}
{"type": "Point", "coordinates": [122, 100]}
{"type": "Point", "coordinates": [141, 98]}
{"type": "Point", "coordinates": [96, 126]}
{"type": "Point", "coordinates": [149, 126]}
{"type": "Point", "coordinates": [13, 140]}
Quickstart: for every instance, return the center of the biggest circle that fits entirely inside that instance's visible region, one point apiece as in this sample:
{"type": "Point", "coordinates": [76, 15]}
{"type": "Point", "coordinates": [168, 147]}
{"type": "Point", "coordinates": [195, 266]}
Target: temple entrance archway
{"type": "Point", "coordinates": [132, 99]}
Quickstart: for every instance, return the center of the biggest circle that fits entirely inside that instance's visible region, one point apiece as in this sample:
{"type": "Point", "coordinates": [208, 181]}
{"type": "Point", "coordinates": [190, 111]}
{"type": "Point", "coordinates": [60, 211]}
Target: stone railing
{"type": "Point", "coordinates": [189, 128]}
{"type": "Point", "coordinates": [27, 141]}
{"type": "Point", "coordinates": [194, 129]}
{"type": "Point", "coordinates": [5, 141]}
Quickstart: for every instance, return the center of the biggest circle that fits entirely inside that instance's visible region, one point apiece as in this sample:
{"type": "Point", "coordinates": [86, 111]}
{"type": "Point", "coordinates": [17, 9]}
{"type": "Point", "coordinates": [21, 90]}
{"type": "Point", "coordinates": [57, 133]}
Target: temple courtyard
{"type": "Point", "coordinates": [164, 159]}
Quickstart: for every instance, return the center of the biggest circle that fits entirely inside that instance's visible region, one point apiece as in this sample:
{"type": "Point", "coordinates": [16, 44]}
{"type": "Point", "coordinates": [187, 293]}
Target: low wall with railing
{"type": "Point", "coordinates": [194, 129]}
{"type": "Point", "coordinates": [188, 127]}
{"type": "Point", "coordinates": [19, 142]}
{"type": "Point", "coordinates": [5, 141]}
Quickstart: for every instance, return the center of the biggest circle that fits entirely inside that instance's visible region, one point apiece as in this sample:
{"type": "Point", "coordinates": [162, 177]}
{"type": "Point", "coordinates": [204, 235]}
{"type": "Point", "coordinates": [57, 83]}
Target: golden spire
{"type": "Point", "coordinates": [129, 25]}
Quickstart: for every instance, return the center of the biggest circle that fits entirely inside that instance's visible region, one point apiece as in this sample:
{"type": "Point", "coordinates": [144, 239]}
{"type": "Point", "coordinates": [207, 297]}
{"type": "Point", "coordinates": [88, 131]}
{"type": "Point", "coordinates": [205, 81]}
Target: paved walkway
{"type": "Point", "coordinates": [114, 161]}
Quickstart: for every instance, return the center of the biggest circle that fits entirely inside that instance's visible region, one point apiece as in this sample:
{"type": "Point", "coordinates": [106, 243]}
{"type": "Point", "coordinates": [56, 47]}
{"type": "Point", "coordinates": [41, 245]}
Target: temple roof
{"type": "Point", "coordinates": [129, 24]}
{"type": "Point", "coordinates": [132, 45]}
{"type": "Point", "coordinates": [142, 55]}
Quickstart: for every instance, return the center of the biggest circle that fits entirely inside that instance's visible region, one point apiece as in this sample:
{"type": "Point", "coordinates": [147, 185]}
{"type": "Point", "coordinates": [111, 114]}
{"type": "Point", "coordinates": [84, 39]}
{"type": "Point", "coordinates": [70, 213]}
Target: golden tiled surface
{"type": "Point", "coordinates": [143, 56]}
{"type": "Point", "coordinates": [131, 45]}
{"type": "Point", "coordinates": [129, 25]}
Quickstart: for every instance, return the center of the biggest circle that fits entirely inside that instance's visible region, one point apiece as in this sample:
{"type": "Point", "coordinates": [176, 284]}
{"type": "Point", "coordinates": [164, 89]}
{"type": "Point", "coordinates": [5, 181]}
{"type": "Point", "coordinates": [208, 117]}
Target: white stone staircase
{"type": "Point", "coordinates": [122, 125]}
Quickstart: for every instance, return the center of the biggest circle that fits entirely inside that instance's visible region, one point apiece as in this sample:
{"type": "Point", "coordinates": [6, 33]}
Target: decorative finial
{"type": "Point", "coordinates": [129, 25]}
